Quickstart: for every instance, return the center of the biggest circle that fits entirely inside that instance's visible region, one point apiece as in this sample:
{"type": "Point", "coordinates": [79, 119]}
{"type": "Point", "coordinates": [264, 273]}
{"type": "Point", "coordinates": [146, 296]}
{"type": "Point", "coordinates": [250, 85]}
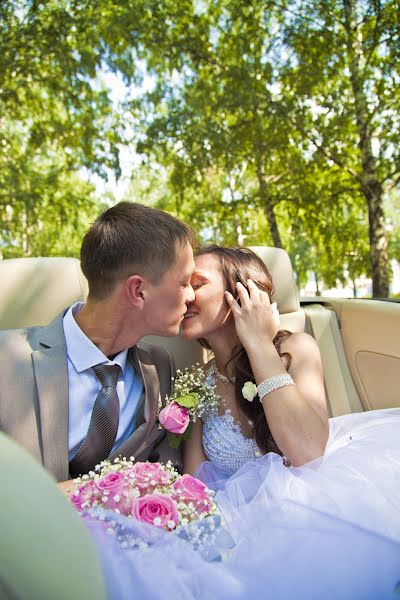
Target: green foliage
{"type": "Point", "coordinates": [262, 123]}
{"type": "Point", "coordinates": [393, 214]}
{"type": "Point", "coordinates": [188, 400]}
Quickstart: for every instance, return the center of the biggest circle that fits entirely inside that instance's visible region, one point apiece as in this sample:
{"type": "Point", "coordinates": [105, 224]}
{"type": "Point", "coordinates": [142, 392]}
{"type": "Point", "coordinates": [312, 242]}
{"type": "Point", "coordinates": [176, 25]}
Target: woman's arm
{"type": "Point", "coordinates": [296, 414]}
{"type": "Point", "coordinates": [193, 453]}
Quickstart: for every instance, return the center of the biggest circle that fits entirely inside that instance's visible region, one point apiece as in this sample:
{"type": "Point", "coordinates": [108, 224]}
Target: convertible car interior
{"type": "Point", "coordinates": [359, 339]}
{"type": "Point", "coordinates": [51, 555]}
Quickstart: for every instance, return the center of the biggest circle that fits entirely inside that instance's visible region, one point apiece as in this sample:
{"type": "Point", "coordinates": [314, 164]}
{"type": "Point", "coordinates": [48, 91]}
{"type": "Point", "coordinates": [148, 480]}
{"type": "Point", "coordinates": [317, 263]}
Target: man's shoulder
{"type": "Point", "coordinates": [31, 337]}
{"type": "Point", "coordinates": [25, 334]}
{"type": "Point", "coordinates": [161, 359]}
{"type": "Point", "coordinates": [156, 352]}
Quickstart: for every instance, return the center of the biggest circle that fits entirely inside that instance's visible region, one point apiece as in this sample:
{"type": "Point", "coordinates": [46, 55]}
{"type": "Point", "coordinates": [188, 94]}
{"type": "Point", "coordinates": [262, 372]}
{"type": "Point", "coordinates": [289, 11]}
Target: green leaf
{"type": "Point", "coordinates": [187, 434]}
{"type": "Point", "coordinates": [174, 439]}
{"type": "Point", "coordinates": [188, 401]}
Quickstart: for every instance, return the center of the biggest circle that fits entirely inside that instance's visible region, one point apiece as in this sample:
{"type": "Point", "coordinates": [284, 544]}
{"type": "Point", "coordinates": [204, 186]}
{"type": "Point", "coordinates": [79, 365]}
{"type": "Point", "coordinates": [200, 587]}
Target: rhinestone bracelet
{"type": "Point", "coordinates": [273, 383]}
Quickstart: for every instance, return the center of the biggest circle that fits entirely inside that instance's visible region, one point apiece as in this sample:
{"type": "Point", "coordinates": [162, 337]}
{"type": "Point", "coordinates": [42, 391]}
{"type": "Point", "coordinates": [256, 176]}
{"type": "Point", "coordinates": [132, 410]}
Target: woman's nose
{"type": "Point", "coordinates": [190, 295]}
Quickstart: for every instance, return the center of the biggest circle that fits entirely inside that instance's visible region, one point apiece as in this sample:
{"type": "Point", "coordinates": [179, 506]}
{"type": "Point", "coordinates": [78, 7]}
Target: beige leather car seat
{"type": "Point", "coordinates": [36, 290]}
{"type": "Point", "coordinates": [46, 551]}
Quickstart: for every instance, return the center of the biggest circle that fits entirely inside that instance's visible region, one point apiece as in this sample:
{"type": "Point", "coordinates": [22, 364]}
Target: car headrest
{"type": "Point", "coordinates": [278, 263]}
{"type": "Point", "coordinates": [35, 290]}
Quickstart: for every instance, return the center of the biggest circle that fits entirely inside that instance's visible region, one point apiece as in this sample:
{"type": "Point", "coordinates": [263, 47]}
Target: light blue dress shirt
{"type": "Point", "coordinates": [83, 385]}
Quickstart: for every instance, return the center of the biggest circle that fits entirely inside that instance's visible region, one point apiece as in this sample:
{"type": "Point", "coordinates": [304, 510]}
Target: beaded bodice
{"type": "Point", "coordinates": [224, 444]}
{"type": "Point", "coordinates": [223, 441]}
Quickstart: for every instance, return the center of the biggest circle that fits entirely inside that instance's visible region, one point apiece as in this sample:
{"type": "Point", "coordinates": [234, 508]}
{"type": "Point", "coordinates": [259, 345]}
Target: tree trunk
{"type": "Point", "coordinates": [370, 185]}
{"type": "Point", "coordinates": [353, 281]}
{"type": "Point", "coordinates": [317, 290]}
{"type": "Point", "coordinates": [25, 234]}
{"type": "Point", "coordinates": [378, 240]}
{"type": "Point", "coordinates": [268, 207]}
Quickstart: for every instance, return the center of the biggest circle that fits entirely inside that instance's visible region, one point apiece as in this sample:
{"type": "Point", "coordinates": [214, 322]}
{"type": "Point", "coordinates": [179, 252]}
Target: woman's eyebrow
{"type": "Point", "coordinates": [199, 275]}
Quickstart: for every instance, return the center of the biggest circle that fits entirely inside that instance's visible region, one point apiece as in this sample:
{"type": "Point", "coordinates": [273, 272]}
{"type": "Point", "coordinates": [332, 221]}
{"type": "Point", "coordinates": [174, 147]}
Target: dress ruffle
{"type": "Point", "coordinates": [327, 530]}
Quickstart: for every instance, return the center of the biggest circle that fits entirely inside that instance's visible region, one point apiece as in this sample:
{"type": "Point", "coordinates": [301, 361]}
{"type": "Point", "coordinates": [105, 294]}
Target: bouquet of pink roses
{"type": "Point", "coordinates": [193, 394]}
{"type": "Point", "coordinates": [151, 493]}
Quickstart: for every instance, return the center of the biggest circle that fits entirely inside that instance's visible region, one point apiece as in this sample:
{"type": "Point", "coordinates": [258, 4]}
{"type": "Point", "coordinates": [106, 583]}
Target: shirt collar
{"type": "Point", "coordinates": [81, 351]}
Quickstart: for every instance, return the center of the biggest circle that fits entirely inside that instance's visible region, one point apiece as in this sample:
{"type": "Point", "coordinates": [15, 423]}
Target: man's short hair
{"type": "Point", "coordinates": [131, 238]}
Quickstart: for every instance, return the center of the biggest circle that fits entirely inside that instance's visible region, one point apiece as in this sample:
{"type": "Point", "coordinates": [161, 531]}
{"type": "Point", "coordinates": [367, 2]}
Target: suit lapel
{"type": "Point", "coordinates": [51, 374]}
{"type": "Point", "coordinates": [146, 413]}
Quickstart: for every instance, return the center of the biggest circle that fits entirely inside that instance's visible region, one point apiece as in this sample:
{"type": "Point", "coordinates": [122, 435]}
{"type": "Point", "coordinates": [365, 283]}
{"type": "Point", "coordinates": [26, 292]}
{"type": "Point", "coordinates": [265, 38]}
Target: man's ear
{"type": "Point", "coordinates": [134, 287]}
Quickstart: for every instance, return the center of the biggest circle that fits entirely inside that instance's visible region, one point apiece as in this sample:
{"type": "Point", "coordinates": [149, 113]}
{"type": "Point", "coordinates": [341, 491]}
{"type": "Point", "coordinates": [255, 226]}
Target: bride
{"type": "Point", "coordinates": [233, 314]}
{"type": "Point", "coordinates": [313, 505]}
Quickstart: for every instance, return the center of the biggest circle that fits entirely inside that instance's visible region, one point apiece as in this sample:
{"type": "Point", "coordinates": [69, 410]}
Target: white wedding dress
{"type": "Point", "coordinates": [327, 530]}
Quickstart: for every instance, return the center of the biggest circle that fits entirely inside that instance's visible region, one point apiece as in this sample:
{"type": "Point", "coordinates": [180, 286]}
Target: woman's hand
{"type": "Point", "coordinates": [256, 319]}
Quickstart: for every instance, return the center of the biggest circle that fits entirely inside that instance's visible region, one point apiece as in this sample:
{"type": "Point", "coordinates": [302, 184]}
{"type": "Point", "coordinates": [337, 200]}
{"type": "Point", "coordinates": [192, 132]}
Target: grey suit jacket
{"type": "Point", "coordinates": [34, 397]}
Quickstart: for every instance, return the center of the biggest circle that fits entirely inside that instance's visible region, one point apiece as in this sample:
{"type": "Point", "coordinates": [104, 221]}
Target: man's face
{"type": "Point", "coordinates": [166, 302]}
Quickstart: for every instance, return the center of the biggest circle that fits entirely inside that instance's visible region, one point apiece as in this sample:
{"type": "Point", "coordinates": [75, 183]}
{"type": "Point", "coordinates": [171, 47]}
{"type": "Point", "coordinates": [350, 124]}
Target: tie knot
{"type": "Point", "coordinates": [107, 375]}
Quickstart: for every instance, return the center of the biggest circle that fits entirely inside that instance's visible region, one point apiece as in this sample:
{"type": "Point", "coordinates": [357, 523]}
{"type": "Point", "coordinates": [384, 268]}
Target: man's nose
{"type": "Point", "coordinates": [190, 295]}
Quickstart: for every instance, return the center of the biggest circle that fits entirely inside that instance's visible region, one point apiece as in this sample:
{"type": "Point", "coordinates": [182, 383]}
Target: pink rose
{"type": "Point", "coordinates": [174, 418]}
{"type": "Point", "coordinates": [156, 509]}
{"type": "Point", "coordinates": [146, 476]}
{"type": "Point", "coordinates": [112, 487]}
{"type": "Point", "coordinates": [190, 489]}
{"type": "Point", "coordinates": [84, 494]}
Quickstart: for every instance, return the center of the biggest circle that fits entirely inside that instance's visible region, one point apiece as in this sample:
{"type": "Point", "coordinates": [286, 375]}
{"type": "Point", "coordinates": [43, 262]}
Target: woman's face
{"type": "Point", "coordinates": [209, 312]}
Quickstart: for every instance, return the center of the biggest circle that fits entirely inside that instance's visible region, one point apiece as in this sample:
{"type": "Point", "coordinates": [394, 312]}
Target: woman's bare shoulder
{"type": "Point", "coordinates": [300, 344]}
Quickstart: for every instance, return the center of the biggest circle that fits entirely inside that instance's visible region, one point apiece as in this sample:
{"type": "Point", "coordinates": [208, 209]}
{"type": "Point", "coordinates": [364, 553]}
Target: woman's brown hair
{"type": "Point", "coordinates": [241, 264]}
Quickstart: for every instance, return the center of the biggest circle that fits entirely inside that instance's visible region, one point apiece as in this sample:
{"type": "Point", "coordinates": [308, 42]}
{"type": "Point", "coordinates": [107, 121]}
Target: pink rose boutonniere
{"type": "Point", "coordinates": [175, 418]}
{"type": "Point", "coordinates": [193, 393]}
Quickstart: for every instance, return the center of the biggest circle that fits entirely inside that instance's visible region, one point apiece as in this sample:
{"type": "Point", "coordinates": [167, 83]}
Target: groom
{"type": "Point", "coordinates": [85, 387]}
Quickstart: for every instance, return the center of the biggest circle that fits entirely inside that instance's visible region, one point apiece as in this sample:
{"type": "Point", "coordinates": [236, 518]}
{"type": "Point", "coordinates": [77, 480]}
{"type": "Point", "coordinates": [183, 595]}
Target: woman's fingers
{"type": "Point", "coordinates": [243, 295]}
{"type": "Point", "coordinates": [233, 305]}
{"type": "Point", "coordinates": [254, 291]}
{"type": "Point", "coordinates": [250, 296]}
{"type": "Point", "coordinates": [276, 315]}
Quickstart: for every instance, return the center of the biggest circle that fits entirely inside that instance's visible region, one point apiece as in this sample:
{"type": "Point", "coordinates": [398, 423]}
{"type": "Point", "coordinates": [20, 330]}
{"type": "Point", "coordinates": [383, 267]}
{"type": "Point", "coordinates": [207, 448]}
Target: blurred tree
{"type": "Point", "coordinates": [338, 85]}
{"type": "Point", "coordinates": [230, 111]}
{"type": "Point", "coordinates": [271, 121]}
{"type": "Point", "coordinates": [393, 218]}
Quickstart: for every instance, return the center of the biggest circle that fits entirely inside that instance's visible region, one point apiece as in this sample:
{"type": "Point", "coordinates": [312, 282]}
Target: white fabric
{"type": "Point", "coordinates": [329, 529]}
{"type": "Point", "coordinates": [83, 385]}
{"type": "Point", "coordinates": [358, 479]}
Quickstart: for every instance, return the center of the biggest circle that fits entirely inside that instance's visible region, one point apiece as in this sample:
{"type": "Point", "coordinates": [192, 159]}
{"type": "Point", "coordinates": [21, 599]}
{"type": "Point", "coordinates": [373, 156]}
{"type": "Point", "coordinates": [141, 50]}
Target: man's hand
{"type": "Point", "coordinates": [66, 487]}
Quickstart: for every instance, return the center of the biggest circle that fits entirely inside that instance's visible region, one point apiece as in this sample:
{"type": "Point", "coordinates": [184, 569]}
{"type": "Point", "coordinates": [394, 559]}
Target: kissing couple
{"type": "Point", "coordinates": [306, 499]}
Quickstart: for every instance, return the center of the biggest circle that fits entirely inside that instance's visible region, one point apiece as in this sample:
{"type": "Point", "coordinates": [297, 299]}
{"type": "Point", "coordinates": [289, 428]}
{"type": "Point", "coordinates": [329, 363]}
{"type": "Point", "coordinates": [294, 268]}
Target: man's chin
{"type": "Point", "coordinates": [172, 331]}
{"type": "Point", "coordinates": [186, 333]}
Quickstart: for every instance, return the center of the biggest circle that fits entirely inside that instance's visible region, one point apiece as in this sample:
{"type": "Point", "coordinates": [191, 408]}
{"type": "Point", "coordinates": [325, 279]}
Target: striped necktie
{"type": "Point", "coordinates": [103, 426]}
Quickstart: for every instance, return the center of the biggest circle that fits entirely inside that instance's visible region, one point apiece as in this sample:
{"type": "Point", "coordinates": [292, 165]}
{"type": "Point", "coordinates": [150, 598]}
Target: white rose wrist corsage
{"type": "Point", "coordinates": [249, 391]}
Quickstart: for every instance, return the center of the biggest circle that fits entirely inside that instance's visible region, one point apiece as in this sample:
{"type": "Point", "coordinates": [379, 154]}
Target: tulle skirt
{"type": "Point", "coordinates": [327, 530]}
